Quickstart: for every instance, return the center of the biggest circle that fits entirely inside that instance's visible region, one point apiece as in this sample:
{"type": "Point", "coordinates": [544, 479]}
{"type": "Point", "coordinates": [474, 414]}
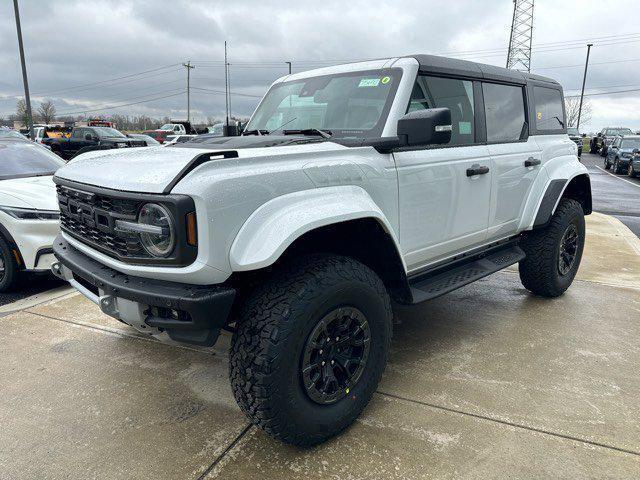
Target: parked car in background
{"type": "Point", "coordinates": [159, 136]}
{"type": "Point", "coordinates": [29, 214]}
{"type": "Point", "coordinates": [634, 165]}
{"type": "Point", "coordinates": [85, 139]}
{"type": "Point", "coordinates": [173, 139]}
{"type": "Point", "coordinates": [7, 133]}
{"type": "Point", "coordinates": [147, 139]}
{"type": "Point", "coordinates": [575, 136]}
{"type": "Point", "coordinates": [620, 152]}
{"type": "Point", "coordinates": [600, 143]}
{"type": "Point", "coordinates": [399, 178]}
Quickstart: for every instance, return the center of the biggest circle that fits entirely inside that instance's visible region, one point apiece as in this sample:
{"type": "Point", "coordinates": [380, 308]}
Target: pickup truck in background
{"type": "Point", "coordinates": [85, 139]}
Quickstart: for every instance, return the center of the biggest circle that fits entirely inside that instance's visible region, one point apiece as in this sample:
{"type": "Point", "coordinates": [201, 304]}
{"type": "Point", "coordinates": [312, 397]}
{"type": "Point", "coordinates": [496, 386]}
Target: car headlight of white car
{"type": "Point", "coordinates": [31, 213]}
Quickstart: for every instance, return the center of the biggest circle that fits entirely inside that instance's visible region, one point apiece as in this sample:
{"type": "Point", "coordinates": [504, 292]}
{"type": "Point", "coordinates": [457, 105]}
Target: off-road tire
{"type": "Point", "coordinates": [539, 270]}
{"type": "Point", "coordinates": [607, 165]}
{"type": "Point", "coordinates": [271, 333]}
{"type": "Point", "coordinates": [9, 277]}
{"type": "Point", "coordinates": [630, 171]}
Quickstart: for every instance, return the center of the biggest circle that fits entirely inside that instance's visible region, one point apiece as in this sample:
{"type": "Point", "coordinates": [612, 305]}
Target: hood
{"type": "Point", "coordinates": [154, 169]}
{"type": "Point", "coordinates": [31, 192]}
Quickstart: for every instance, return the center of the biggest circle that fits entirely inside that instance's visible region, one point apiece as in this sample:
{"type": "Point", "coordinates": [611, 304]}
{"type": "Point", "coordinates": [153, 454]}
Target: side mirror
{"type": "Point", "coordinates": [425, 127]}
{"type": "Point", "coordinates": [88, 137]}
{"type": "Point", "coordinates": [584, 135]}
{"type": "Point", "coordinates": [636, 151]}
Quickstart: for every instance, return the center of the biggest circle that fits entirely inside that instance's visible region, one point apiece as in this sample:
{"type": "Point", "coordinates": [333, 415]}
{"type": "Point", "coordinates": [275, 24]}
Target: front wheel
{"type": "Point", "coordinates": [9, 269]}
{"type": "Point", "coordinates": [310, 347]}
{"type": "Point", "coordinates": [553, 253]}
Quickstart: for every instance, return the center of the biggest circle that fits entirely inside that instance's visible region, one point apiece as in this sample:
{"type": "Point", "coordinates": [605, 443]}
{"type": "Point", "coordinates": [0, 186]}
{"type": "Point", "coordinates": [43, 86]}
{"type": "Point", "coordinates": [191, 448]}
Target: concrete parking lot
{"type": "Point", "coordinates": [486, 382]}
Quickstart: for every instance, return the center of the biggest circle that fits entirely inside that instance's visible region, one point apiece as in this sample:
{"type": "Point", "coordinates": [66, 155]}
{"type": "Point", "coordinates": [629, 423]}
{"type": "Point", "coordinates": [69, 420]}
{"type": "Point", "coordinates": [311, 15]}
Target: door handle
{"type": "Point", "coordinates": [477, 170]}
{"type": "Point", "coordinates": [531, 162]}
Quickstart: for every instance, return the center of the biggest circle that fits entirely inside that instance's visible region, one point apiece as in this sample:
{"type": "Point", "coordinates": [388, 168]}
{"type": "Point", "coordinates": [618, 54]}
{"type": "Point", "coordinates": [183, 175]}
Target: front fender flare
{"type": "Point", "coordinates": [270, 229]}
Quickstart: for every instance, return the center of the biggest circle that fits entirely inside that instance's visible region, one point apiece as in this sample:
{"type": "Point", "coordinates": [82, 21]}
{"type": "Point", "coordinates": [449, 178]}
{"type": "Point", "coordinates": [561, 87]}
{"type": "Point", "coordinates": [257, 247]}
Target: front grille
{"type": "Point", "coordinates": [90, 218]}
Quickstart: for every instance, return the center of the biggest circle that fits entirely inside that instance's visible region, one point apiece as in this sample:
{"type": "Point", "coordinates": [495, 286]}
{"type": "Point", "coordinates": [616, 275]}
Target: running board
{"type": "Point", "coordinates": [448, 278]}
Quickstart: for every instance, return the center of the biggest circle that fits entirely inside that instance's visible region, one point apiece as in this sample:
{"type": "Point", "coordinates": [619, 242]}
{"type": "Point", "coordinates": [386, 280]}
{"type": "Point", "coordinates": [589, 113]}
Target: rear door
{"type": "Point", "coordinates": [443, 208]}
{"type": "Point", "coordinates": [515, 156]}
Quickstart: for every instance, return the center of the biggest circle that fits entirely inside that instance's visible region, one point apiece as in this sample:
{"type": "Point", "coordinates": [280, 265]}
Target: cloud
{"type": "Point", "coordinates": [74, 43]}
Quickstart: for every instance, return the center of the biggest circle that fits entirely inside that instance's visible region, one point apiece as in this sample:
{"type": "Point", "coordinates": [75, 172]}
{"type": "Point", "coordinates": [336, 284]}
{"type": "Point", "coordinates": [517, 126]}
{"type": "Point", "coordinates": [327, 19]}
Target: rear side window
{"type": "Point", "coordinates": [504, 111]}
{"type": "Point", "coordinates": [548, 108]}
{"type": "Point", "coordinates": [454, 94]}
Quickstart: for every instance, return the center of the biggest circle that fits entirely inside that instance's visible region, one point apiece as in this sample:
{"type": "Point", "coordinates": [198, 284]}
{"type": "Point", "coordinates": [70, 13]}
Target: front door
{"type": "Point", "coordinates": [444, 193]}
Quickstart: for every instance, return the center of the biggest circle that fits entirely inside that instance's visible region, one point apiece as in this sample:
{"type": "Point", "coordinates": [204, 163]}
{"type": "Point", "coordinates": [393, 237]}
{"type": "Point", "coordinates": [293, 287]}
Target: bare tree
{"type": "Point", "coordinates": [21, 112]}
{"type": "Point", "coordinates": [572, 105]}
{"type": "Point", "coordinates": [47, 111]}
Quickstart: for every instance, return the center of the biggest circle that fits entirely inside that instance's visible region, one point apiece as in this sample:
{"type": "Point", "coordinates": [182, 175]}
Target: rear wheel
{"type": "Point", "coordinates": [616, 167]}
{"type": "Point", "coordinates": [310, 347]}
{"type": "Point", "coordinates": [9, 270]}
{"type": "Point", "coordinates": [630, 170]}
{"type": "Point", "coordinates": [553, 253]}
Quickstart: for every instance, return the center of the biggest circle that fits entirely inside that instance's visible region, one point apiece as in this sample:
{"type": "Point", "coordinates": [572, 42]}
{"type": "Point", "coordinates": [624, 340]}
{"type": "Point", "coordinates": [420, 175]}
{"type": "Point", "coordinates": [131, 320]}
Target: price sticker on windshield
{"type": "Point", "coordinates": [369, 82]}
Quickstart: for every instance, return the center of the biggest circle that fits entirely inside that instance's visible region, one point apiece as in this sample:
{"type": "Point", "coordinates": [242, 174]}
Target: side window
{"type": "Point", "coordinates": [504, 112]}
{"type": "Point", "coordinates": [78, 133]}
{"type": "Point", "coordinates": [548, 108]}
{"type": "Point", "coordinates": [454, 94]}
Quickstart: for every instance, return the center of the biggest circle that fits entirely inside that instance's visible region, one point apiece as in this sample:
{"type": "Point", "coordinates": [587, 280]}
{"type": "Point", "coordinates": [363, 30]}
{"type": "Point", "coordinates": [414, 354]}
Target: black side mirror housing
{"type": "Point", "coordinates": [636, 151]}
{"type": "Point", "coordinates": [425, 127]}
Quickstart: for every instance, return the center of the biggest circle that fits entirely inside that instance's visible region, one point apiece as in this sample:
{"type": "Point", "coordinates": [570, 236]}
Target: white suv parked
{"type": "Point", "coordinates": [401, 178]}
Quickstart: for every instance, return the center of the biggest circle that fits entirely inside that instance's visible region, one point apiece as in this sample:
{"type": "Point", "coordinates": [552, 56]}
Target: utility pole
{"type": "Point", "coordinates": [226, 84]}
{"type": "Point", "coordinates": [188, 66]}
{"type": "Point", "coordinates": [519, 55]}
{"type": "Point", "coordinates": [584, 80]}
{"type": "Point", "coordinates": [289, 63]}
{"type": "Point", "coordinates": [24, 70]}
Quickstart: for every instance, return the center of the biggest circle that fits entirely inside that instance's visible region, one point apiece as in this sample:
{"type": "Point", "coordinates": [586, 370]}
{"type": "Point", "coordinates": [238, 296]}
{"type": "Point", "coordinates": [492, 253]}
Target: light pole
{"type": "Point", "coordinates": [584, 80]}
{"type": "Point", "coordinates": [24, 69]}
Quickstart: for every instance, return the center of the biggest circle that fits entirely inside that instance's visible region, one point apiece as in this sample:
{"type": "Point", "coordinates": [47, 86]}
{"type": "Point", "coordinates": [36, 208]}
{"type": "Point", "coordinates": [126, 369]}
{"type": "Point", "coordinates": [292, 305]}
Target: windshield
{"type": "Point", "coordinates": [572, 131]}
{"type": "Point", "coordinates": [105, 132]}
{"type": "Point", "coordinates": [6, 133]}
{"type": "Point", "coordinates": [352, 104]}
{"type": "Point", "coordinates": [630, 143]}
{"type": "Point", "coordinates": [618, 131]}
{"type": "Point", "coordinates": [26, 160]}
{"type": "Point", "coordinates": [167, 126]}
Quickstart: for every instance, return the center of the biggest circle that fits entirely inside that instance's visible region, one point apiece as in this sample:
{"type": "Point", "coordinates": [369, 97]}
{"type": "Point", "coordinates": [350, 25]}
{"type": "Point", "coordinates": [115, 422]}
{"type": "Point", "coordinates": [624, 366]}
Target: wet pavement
{"type": "Point", "coordinates": [617, 195]}
{"type": "Point", "coordinates": [486, 382]}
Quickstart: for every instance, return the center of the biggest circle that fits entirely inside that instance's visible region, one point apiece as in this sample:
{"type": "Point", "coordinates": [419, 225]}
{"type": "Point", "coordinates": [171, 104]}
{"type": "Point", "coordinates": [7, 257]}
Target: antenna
{"type": "Point", "coordinates": [519, 56]}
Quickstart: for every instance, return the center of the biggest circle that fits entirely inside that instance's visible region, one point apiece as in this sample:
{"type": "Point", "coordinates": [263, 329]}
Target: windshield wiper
{"type": "Point", "coordinates": [309, 131]}
{"type": "Point", "coordinates": [257, 131]}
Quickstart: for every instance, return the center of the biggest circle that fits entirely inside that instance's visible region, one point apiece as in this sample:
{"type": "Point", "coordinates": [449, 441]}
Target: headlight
{"type": "Point", "coordinates": [31, 213]}
{"type": "Point", "coordinates": [158, 235]}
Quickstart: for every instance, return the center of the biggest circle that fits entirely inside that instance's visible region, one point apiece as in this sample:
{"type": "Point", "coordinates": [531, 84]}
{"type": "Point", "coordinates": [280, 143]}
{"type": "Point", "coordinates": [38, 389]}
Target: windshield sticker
{"type": "Point", "coordinates": [464, 128]}
{"type": "Point", "coordinates": [369, 82]}
{"type": "Point", "coordinates": [539, 115]}
{"type": "Point", "coordinates": [385, 80]}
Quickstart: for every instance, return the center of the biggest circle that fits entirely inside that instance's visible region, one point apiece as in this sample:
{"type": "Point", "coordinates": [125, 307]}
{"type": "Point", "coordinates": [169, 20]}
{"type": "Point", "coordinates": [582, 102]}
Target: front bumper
{"type": "Point", "coordinates": [166, 310]}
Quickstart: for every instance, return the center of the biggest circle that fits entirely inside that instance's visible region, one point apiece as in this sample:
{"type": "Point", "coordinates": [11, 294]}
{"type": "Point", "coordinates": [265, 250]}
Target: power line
{"type": "Point", "coordinates": [107, 80]}
{"type": "Point", "coordinates": [222, 92]}
{"type": "Point", "coordinates": [109, 107]}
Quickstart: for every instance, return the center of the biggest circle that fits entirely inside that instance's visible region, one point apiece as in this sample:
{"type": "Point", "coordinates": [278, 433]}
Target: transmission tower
{"type": "Point", "coordinates": [519, 56]}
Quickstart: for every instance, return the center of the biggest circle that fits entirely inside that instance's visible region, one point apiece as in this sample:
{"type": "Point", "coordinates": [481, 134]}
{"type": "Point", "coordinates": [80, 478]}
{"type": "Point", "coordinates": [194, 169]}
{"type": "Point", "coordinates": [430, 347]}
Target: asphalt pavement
{"type": "Point", "coordinates": [30, 284]}
{"type": "Point", "coordinates": [616, 195]}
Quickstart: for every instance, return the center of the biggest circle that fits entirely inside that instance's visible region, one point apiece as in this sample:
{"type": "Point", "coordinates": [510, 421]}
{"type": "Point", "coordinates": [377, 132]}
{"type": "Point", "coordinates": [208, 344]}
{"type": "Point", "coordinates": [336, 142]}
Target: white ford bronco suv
{"type": "Point", "coordinates": [401, 178]}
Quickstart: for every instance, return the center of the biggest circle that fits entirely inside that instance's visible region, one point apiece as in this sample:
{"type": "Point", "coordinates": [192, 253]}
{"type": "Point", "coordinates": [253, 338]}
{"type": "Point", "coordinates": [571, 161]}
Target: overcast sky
{"type": "Point", "coordinates": [70, 44]}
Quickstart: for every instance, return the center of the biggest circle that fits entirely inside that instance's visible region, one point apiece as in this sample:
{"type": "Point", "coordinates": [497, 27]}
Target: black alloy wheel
{"type": "Point", "coordinates": [335, 355]}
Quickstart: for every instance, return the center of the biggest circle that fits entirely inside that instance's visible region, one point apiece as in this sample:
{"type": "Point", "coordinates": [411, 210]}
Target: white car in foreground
{"type": "Point", "coordinates": [29, 214]}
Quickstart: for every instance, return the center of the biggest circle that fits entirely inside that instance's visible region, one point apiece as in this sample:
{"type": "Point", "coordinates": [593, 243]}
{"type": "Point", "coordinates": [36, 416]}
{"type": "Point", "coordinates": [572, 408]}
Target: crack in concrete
{"type": "Point", "coordinates": [511, 424]}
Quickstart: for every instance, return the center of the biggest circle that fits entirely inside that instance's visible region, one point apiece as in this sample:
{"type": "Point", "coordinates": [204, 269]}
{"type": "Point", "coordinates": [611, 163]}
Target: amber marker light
{"type": "Point", "coordinates": [192, 231]}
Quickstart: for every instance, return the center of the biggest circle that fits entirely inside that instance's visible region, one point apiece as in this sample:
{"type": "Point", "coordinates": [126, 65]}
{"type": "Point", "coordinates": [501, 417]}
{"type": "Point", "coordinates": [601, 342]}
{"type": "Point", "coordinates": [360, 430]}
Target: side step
{"type": "Point", "coordinates": [450, 277]}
